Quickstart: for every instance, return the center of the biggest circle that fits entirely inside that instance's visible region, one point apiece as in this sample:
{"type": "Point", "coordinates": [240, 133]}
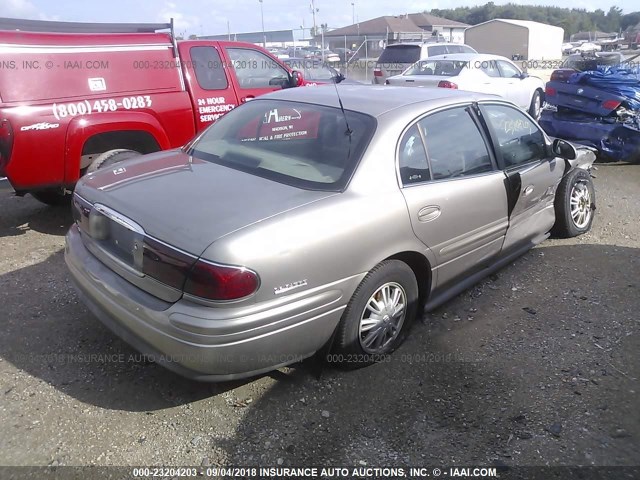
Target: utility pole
{"type": "Point", "coordinates": [264, 36]}
{"type": "Point", "coordinates": [353, 13]}
{"type": "Point", "coordinates": [228, 30]}
{"type": "Point", "coordinates": [313, 13]}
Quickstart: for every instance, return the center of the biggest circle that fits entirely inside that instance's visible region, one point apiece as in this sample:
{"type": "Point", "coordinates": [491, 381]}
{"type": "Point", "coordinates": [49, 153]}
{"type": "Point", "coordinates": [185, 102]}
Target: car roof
{"type": "Point", "coordinates": [374, 100]}
{"type": "Point", "coordinates": [467, 57]}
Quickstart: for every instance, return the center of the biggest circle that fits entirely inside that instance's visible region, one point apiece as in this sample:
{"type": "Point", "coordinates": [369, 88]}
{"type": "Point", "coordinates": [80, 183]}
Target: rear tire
{"type": "Point", "coordinates": [574, 204]}
{"type": "Point", "coordinates": [107, 159]}
{"type": "Point", "coordinates": [536, 105]}
{"type": "Point", "coordinates": [378, 316]}
{"type": "Point", "coordinates": [53, 198]}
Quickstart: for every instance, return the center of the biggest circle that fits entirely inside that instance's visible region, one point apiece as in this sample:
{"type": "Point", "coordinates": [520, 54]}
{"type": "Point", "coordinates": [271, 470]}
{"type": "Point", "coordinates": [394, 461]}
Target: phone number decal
{"type": "Point", "coordinates": [63, 110]}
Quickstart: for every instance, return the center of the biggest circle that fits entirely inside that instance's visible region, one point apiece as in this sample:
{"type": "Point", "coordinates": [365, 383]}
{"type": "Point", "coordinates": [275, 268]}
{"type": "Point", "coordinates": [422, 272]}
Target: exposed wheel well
{"type": "Point", "coordinates": [136, 140]}
{"type": "Point", "coordinates": [421, 269]}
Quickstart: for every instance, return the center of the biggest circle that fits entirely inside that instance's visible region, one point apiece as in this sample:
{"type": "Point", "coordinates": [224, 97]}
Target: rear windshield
{"type": "Point", "coordinates": [460, 49]}
{"type": "Point", "coordinates": [400, 54]}
{"type": "Point", "coordinates": [440, 68]}
{"type": "Point", "coordinates": [299, 144]}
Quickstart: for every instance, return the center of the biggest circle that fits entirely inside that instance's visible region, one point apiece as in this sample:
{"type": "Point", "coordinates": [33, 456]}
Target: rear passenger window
{"type": "Point", "coordinates": [414, 167]}
{"type": "Point", "coordinates": [454, 144]}
{"type": "Point", "coordinates": [520, 141]}
{"type": "Point", "coordinates": [209, 70]}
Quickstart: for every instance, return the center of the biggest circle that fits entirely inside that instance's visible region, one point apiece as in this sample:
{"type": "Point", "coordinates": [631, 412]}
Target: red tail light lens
{"type": "Point", "coordinates": [165, 263]}
{"type": "Point", "coordinates": [377, 72]}
{"type": "Point", "coordinates": [550, 92]}
{"type": "Point", "coordinates": [610, 104]}
{"type": "Point", "coordinates": [221, 282]}
{"type": "Point", "coordinates": [6, 142]}
{"type": "Point", "coordinates": [447, 84]}
{"type": "Point", "coordinates": [562, 75]}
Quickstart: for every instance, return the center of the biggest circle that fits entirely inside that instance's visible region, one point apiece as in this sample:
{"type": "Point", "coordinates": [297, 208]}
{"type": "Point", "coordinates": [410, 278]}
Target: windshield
{"type": "Point", "coordinates": [299, 144]}
{"type": "Point", "coordinates": [441, 68]}
{"type": "Point", "coordinates": [585, 63]}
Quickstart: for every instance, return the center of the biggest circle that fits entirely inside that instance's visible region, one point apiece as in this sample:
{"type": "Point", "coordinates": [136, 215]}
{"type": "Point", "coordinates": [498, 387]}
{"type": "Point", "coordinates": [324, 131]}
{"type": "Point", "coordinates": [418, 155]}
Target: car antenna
{"type": "Point", "coordinates": [348, 131]}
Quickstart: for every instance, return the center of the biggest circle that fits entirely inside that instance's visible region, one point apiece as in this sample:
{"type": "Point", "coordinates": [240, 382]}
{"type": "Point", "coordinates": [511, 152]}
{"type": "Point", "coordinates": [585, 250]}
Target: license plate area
{"type": "Point", "coordinates": [117, 236]}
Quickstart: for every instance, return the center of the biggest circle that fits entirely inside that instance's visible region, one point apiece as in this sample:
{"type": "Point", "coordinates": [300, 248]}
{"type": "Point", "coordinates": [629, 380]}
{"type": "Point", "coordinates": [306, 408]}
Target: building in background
{"type": "Point", "coordinates": [371, 36]}
{"type": "Point", "coordinates": [517, 39]}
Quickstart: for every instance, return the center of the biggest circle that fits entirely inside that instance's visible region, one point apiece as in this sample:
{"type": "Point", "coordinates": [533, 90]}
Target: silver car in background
{"type": "Point", "coordinates": [293, 225]}
{"type": "Point", "coordinates": [479, 73]}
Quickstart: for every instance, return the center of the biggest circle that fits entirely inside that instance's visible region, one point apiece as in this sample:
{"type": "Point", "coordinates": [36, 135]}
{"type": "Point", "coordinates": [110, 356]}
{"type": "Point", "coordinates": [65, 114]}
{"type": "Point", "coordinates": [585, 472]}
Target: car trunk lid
{"type": "Point", "coordinates": [157, 214]}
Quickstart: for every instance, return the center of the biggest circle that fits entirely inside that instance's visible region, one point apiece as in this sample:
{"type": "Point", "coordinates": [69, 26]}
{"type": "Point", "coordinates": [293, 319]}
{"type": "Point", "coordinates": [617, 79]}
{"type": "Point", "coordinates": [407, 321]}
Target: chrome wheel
{"type": "Point", "coordinates": [382, 318]}
{"type": "Point", "coordinates": [580, 204]}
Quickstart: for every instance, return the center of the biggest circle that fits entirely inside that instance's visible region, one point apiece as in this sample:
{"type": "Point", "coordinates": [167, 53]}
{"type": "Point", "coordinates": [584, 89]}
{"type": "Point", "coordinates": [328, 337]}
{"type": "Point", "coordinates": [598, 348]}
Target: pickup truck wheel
{"type": "Point", "coordinates": [574, 204]}
{"type": "Point", "coordinates": [54, 198]}
{"type": "Point", "coordinates": [536, 105]}
{"type": "Point", "coordinates": [107, 159]}
{"type": "Point", "coordinates": [377, 317]}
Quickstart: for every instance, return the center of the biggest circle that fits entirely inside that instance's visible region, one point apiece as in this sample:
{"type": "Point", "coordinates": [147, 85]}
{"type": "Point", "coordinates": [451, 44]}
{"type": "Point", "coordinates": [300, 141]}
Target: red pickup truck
{"type": "Point", "coordinates": [76, 97]}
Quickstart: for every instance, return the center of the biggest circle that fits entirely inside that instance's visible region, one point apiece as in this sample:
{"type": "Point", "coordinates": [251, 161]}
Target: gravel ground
{"type": "Point", "coordinates": [537, 365]}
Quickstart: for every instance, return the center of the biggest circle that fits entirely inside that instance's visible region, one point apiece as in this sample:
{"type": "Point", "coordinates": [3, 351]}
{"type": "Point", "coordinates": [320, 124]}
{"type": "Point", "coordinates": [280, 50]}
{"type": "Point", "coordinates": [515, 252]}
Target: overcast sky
{"type": "Point", "coordinates": [210, 17]}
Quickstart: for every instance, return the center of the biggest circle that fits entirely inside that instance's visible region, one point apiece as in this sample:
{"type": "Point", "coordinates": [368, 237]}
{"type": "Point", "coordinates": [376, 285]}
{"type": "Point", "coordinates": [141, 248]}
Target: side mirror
{"type": "Point", "coordinates": [281, 82]}
{"type": "Point", "coordinates": [339, 77]}
{"type": "Point", "coordinates": [563, 149]}
{"type": "Point", "coordinates": [296, 79]}
{"type": "Point", "coordinates": [524, 75]}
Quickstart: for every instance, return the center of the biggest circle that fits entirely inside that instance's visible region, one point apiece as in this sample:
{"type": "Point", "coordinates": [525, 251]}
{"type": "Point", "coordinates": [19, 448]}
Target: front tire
{"type": "Point", "coordinates": [378, 316]}
{"type": "Point", "coordinates": [575, 203]}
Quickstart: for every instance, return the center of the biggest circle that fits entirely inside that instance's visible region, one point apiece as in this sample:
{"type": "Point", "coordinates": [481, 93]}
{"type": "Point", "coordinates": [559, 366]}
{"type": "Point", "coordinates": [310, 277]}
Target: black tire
{"type": "Point", "coordinates": [53, 198]}
{"type": "Point", "coordinates": [348, 351]}
{"type": "Point", "coordinates": [107, 159]}
{"type": "Point", "coordinates": [566, 225]}
{"type": "Point", "coordinates": [535, 107]}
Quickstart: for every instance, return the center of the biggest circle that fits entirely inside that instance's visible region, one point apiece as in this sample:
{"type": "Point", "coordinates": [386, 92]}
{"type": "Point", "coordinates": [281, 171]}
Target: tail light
{"type": "Point", "coordinates": [447, 84]}
{"type": "Point", "coordinates": [377, 72]}
{"type": "Point", "coordinates": [6, 142]}
{"type": "Point", "coordinates": [165, 263]}
{"type": "Point", "coordinates": [610, 104]}
{"type": "Point", "coordinates": [562, 75]}
{"type": "Point", "coordinates": [550, 92]}
{"type": "Point", "coordinates": [221, 282]}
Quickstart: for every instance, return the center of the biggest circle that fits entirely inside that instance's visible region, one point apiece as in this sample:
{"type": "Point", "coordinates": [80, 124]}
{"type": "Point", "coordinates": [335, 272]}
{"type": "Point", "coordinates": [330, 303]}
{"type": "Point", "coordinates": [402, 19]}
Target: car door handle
{"type": "Point", "coordinates": [528, 191]}
{"type": "Point", "coordinates": [429, 213]}
{"type": "Point", "coordinates": [247, 98]}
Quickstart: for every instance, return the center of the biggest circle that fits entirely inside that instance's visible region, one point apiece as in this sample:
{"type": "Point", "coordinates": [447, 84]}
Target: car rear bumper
{"type": "Point", "coordinates": [614, 141]}
{"type": "Point", "coordinates": [197, 341]}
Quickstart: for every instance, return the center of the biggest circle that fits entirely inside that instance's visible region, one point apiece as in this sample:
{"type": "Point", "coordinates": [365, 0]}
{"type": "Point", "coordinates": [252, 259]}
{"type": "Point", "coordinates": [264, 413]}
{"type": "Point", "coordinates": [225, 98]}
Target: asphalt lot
{"type": "Point", "coordinates": [537, 365]}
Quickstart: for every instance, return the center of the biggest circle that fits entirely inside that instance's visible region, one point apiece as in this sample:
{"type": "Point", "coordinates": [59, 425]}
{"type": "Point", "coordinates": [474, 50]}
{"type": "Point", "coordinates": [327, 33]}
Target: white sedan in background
{"type": "Point", "coordinates": [474, 72]}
